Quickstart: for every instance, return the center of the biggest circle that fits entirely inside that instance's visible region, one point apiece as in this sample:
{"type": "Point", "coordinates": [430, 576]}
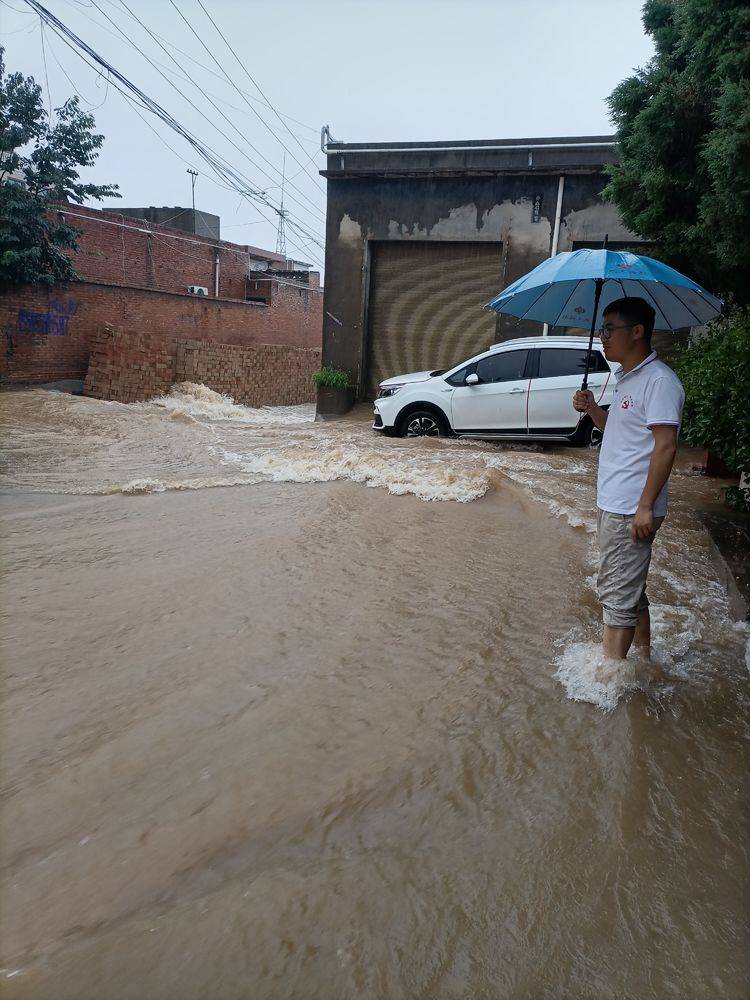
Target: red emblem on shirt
{"type": "Point", "coordinates": [627, 403]}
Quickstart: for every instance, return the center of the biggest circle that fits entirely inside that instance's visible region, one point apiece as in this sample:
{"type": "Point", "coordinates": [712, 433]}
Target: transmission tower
{"type": "Point", "coordinates": [281, 231]}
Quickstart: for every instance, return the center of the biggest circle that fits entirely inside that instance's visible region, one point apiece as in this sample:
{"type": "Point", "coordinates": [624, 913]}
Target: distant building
{"type": "Point", "coordinates": [184, 219]}
{"type": "Point", "coordinates": [144, 279]}
{"type": "Point", "coordinates": [17, 177]}
{"type": "Point", "coordinates": [421, 235]}
{"type": "Point", "coordinates": [121, 249]}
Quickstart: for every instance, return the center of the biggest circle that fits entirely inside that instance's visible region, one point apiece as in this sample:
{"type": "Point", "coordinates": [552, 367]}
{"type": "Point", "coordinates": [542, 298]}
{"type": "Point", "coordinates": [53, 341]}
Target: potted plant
{"type": "Point", "coordinates": [335, 391]}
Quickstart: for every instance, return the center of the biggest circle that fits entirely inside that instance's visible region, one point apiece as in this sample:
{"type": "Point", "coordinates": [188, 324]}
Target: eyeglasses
{"type": "Point", "coordinates": [605, 332]}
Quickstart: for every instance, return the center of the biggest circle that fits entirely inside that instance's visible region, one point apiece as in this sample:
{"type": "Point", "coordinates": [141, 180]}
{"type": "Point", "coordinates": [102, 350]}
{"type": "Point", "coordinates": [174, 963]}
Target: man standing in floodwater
{"type": "Point", "coordinates": [638, 450]}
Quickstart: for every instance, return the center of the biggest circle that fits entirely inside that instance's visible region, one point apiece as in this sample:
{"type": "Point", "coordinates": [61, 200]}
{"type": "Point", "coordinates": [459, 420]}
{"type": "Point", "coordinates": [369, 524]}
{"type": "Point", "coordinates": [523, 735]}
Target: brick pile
{"type": "Point", "coordinates": [130, 366]}
{"type": "Point", "coordinates": [265, 375]}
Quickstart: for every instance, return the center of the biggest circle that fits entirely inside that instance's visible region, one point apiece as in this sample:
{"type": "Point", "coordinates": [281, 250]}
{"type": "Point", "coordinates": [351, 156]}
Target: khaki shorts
{"type": "Point", "coordinates": [623, 568]}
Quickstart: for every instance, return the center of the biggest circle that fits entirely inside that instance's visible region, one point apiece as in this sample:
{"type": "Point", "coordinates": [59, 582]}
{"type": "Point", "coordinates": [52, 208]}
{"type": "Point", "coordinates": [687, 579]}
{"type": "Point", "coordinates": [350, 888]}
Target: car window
{"type": "Point", "coordinates": [507, 366]}
{"type": "Point", "coordinates": [459, 377]}
{"type": "Point", "coordinates": [556, 361]}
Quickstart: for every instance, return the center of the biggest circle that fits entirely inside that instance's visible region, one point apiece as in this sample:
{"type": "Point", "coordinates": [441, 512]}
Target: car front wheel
{"type": "Point", "coordinates": [595, 438]}
{"type": "Point", "coordinates": [422, 423]}
{"type": "Point", "coordinates": [588, 434]}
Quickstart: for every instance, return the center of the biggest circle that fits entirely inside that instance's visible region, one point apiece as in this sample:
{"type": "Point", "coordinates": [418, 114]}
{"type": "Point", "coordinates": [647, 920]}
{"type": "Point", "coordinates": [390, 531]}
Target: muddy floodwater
{"type": "Point", "coordinates": [294, 711]}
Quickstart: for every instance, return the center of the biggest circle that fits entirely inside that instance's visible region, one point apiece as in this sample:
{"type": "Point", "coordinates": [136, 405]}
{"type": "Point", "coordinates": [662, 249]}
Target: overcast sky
{"type": "Point", "coordinates": [396, 70]}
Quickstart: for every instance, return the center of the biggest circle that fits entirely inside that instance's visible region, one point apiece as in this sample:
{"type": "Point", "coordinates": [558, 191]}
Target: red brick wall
{"type": "Point", "coordinates": [41, 336]}
{"type": "Point", "coordinates": [117, 250]}
{"type": "Point", "coordinates": [46, 333]}
{"type": "Point", "coordinates": [129, 366]}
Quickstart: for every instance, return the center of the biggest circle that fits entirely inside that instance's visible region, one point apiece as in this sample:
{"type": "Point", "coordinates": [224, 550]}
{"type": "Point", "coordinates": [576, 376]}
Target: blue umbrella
{"type": "Point", "coordinates": [574, 289]}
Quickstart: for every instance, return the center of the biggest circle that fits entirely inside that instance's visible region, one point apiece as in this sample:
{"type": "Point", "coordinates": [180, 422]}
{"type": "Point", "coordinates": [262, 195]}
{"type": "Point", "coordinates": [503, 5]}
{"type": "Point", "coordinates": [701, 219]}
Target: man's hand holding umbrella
{"type": "Point", "coordinates": [584, 402]}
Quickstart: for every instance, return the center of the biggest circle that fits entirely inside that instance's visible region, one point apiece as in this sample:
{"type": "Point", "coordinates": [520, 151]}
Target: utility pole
{"type": "Point", "coordinates": [280, 232]}
{"type": "Point", "coordinates": [193, 175]}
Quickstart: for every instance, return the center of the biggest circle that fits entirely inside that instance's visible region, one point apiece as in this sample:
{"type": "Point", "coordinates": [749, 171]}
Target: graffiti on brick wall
{"type": "Point", "coordinates": [52, 323]}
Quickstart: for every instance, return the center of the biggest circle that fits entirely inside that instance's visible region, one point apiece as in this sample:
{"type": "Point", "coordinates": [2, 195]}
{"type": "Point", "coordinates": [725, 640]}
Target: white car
{"type": "Point", "coordinates": [518, 390]}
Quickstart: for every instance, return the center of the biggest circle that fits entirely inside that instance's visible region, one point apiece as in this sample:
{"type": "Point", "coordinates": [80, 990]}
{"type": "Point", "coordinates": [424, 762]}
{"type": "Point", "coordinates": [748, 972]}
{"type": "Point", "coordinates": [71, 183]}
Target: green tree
{"type": "Point", "coordinates": [39, 164]}
{"type": "Point", "coordinates": [716, 374]}
{"type": "Point", "coordinates": [683, 128]}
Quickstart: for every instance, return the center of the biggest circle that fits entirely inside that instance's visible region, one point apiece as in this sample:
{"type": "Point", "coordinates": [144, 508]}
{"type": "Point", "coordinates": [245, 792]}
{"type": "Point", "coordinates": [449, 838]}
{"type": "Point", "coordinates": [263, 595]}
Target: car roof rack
{"type": "Point", "coordinates": [557, 341]}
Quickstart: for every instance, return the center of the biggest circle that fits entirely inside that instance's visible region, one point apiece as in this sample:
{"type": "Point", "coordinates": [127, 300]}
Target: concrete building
{"type": "Point", "coordinates": [421, 235]}
{"type": "Point", "coordinates": [186, 220]}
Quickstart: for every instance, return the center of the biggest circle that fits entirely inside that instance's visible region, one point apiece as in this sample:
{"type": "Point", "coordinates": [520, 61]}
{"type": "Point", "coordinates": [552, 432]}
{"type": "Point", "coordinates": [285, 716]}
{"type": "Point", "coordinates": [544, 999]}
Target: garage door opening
{"type": "Point", "coordinates": [426, 306]}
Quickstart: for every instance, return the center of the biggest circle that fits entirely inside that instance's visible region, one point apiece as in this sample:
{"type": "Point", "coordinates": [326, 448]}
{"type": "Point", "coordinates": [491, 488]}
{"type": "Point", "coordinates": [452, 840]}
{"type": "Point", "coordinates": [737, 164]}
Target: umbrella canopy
{"type": "Point", "coordinates": [574, 289]}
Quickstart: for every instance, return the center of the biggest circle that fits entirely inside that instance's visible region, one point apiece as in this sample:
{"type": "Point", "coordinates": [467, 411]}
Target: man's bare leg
{"type": "Point", "coordinates": [617, 641]}
{"type": "Point", "coordinates": [643, 635]}
{"type": "Point", "coordinates": [642, 641]}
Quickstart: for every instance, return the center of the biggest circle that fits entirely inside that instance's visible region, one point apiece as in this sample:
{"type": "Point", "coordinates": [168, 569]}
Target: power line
{"type": "Point", "coordinates": [76, 88]}
{"type": "Point", "coordinates": [217, 163]}
{"type": "Point", "coordinates": [148, 59]}
{"type": "Point", "coordinates": [74, 85]}
{"type": "Point", "coordinates": [257, 87]}
{"type": "Point", "coordinates": [154, 37]}
{"type": "Point", "coordinates": [160, 137]}
{"type": "Point", "coordinates": [46, 75]}
{"type": "Point", "coordinates": [182, 73]}
{"type": "Point", "coordinates": [163, 237]}
{"type": "Point", "coordinates": [134, 107]}
{"type": "Point", "coordinates": [17, 31]}
{"type": "Point", "coordinates": [237, 181]}
{"type": "Point", "coordinates": [263, 218]}
{"type": "Point", "coordinates": [212, 180]}
{"type": "Point", "coordinates": [233, 84]}
{"type": "Point", "coordinates": [224, 170]}
{"type": "Point", "coordinates": [193, 105]}
{"type": "Point", "coordinates": [196, 62]}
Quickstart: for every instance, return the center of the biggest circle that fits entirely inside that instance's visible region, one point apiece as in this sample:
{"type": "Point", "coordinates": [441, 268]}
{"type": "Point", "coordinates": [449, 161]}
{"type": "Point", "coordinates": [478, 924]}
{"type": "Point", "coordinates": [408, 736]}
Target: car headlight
{"type": "Point", "coordinates": [389, 390]}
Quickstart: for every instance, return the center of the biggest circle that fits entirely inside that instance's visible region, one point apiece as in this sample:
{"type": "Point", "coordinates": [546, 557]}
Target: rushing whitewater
{"type": "Point", "coordinates": [343, 727]}
{"type": "Point", "coordinates": [195, 438]}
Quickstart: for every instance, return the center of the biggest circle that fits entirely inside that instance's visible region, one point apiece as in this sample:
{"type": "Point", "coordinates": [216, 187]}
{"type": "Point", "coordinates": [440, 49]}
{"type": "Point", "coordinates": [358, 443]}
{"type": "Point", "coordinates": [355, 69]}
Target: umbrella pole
{"type": "Point", "coordinates": [597, 294]}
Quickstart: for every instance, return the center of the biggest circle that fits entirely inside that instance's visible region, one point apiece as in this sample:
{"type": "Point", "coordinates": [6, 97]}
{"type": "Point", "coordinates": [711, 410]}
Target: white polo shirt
{"type": "Point", "coordinates": [649, 394]}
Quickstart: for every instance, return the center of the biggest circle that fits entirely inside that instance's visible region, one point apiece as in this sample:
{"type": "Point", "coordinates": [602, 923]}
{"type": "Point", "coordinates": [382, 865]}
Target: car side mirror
{"type": "Point", "coordinates": [472, 379]}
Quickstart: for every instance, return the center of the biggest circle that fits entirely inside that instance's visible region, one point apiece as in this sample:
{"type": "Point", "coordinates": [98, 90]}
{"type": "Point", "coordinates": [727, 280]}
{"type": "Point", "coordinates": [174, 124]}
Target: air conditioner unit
{"type": "Point", "coordinates": [197, 290]}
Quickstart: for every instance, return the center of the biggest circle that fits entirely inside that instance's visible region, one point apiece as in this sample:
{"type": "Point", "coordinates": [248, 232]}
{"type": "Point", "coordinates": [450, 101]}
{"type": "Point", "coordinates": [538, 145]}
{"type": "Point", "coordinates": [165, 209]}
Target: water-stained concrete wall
{"type": "Point", "coordinates": [516, 209]}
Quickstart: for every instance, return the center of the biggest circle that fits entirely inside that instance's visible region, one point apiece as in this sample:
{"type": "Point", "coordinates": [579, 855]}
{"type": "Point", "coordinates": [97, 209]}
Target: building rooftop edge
{"type": "Point", "coordinates": [334, 147]}
{"type": "Point", "coordinates": [71, 208]}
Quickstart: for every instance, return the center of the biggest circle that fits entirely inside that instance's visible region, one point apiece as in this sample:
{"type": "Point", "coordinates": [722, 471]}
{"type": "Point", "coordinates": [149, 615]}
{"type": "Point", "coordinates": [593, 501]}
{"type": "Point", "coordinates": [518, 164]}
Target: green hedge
{"type": "Point", "coordinates": [716, 374]}
{"type": "Point", "coordinates": [332, 378]}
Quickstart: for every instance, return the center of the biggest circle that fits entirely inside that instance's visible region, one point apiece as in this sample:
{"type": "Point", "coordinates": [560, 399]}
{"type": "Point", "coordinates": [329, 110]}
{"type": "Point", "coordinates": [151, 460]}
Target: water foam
{"type": "Point", "coordinates": [400, 472]}
{"type": "Point", "coordinates": [587, 675]}
{"type": "Point", "coordinates": [192, 399]}
{"type": "Point", "coordinates": [137, 487]}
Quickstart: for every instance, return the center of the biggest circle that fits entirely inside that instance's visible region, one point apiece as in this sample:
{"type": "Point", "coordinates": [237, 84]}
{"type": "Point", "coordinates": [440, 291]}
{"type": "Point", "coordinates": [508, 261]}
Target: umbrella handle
{"type": "Point", "coordinates": [597, 294]}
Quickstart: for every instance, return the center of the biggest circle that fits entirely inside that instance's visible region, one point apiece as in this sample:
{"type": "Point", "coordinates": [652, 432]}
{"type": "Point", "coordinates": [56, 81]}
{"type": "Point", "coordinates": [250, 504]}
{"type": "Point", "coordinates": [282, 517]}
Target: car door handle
{"type": "Point", "coordinates": [516, 390]}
